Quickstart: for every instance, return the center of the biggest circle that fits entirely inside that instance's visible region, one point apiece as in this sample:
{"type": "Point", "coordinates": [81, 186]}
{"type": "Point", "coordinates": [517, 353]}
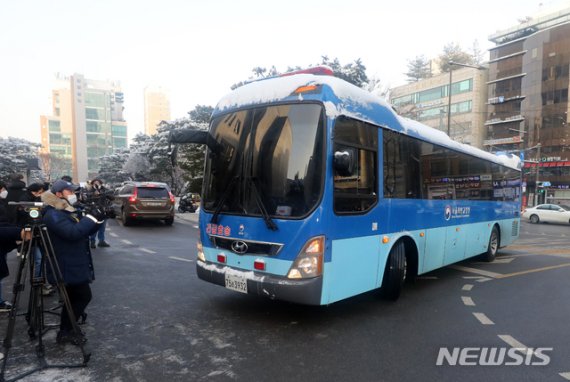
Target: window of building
{"type": "Point", "coordinates": [95, 99]}
{"type": "Point", "coordinates": [119, 131]}
{"type": "Point", "coordinates": [54, 126]}
{"type": "Point", "coordinates": [356, 192]}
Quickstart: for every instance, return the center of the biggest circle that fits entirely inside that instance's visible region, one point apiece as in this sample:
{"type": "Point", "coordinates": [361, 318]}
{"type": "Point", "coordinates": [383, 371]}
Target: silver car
{"type": "Point", "coordinates": [551, 213]}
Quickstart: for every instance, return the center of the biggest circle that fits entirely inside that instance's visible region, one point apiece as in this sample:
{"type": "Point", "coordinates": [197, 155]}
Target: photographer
{"type": "Point", "coordinates": [69, 234]}
{"type": "Point", "coordinates": [33, 194]}
{"type": "Point", "coordinates": [9, 237]}
{"type": "Point", "coordinates": [97, 191]}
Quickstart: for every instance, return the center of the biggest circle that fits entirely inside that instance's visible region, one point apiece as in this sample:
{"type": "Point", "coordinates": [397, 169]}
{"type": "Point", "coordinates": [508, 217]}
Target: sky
{"type": "Point", "coordinates": [198, 49]}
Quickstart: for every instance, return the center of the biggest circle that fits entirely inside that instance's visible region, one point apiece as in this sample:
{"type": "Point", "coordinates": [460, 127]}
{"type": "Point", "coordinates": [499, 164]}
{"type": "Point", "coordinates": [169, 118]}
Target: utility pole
{"type": "Point", "coordinates": [537, 172]}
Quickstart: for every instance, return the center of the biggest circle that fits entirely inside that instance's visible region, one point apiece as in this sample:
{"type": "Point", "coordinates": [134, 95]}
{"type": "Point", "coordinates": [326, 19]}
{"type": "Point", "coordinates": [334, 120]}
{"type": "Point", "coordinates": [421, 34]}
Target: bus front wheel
{"type": "Point", "coordinates": [395, 272]}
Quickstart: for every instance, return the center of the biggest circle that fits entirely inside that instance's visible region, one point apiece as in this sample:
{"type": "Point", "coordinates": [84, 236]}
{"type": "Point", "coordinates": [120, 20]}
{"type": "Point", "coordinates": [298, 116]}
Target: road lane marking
{"type": "Point", "coordinates": [467, 301]}
{"type": "Point", "coordinates": [565, 375]}
{"type": "Point", "coordinates": [471, 277]}
{"type": "Point", "coordinates": [483, 279]}
{"type": "Point", "coordinates": [428, 278]}
{"type": "Point", "coordinates": [476, 271]}
{"type": "Point", "coordinates": [483, 319]}
{"type": "Point", "coordinates": [180, 259]}
{"type": "Point", "coordinates": [514, 343]}
{"type": "Point", "coordinates": [147, 250]}
{"type": "Point", "coordinates": [534, 270]}
{"type": "Point", "coordinates": [195, 226]}
{"type": "Point", "coordinates": [113, 234]}
{"type": "Point", "coordinates": [467, 287]}
{"type": "Point", "coordinates": [126, 241]}
{"type": "Point", "coordinates": [502, 260]}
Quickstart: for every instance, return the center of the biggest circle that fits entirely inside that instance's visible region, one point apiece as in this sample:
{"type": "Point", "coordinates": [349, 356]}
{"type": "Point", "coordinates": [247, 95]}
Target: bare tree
{"type": "Point", "coordinates": [53, 165]}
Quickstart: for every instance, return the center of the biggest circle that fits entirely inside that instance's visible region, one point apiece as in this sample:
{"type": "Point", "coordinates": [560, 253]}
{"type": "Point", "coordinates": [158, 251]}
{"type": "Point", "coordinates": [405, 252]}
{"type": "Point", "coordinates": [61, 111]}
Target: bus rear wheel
{"type": "Point", "coordinates": [395, 272]}
{"type": "Point", "coordinates": [493, 246]}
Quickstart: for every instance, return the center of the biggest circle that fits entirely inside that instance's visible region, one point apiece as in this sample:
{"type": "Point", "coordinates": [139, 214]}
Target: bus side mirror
{"type": "Point", "coordinates": [344, 162]}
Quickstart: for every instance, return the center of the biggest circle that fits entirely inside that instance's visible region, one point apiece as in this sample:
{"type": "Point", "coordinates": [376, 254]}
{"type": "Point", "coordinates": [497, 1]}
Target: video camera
{"type": "Point", "coordinates": [32, 210]}
{"type": "Point", "coordinates": [99, 199]}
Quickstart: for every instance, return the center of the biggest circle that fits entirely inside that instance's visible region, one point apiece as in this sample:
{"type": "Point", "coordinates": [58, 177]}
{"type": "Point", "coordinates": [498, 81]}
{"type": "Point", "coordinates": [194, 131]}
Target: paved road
{"type": "Point", "coordinates": [152, 319]}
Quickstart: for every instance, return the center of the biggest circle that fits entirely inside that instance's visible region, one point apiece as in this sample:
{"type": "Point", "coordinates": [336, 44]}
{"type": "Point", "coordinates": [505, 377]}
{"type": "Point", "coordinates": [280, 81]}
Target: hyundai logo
{"type": "Point", "coordinates": [239, 247]}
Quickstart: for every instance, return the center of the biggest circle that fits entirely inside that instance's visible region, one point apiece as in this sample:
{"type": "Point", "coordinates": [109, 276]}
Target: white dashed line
{"type": "Point", "coordinates": [147, 250]}
{"type": "Point", "coordinates": [514, 343]}
{"type": "Point", "coordinates": [113, 234]}
{"type": "Point", "coordinates": [483, 279]}
{"type": "Point", "coordinates": [467, 301]}
{"type": "Point", "coordinates": [565, 375]}
{"type": "Point", "coordinates": [195, 226]}
{"type": "Point", "coordinates": [467, 287]}
{"type": "Point", "coordinates": [483, 319]}
{"type": "Point", "coordinates": [180, 259]}
{"type": "Point", "coordinates": [126, 241]}
{"type": "Point", "coordinates": [476, 271]}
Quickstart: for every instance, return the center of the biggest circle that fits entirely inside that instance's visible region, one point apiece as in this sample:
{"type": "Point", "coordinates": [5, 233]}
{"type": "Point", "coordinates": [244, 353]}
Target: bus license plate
{"type": "Point", "coordinates": [236, 282]}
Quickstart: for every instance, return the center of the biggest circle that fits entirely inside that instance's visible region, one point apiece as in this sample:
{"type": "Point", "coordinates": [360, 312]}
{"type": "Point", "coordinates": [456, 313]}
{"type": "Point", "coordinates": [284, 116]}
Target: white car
{"type": "Point", "coordinates": [551, 213]}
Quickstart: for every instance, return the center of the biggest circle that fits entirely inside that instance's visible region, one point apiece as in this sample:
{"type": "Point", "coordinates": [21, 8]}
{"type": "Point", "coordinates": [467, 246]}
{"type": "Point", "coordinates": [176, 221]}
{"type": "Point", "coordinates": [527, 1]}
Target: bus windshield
{"type": "Point", "coordinates": [269, 158]}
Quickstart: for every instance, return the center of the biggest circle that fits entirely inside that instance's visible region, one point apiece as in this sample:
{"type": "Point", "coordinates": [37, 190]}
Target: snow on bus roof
{"type": "Point", "coordinates": [280, 88]}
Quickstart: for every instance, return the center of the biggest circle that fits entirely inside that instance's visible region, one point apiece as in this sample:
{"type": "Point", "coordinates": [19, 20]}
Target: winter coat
{"type": "Point", "coordinates": [69, 235]}
{"type": "Point", "coordinates": [9, 234]}
{"type": "Point", "coordinates": [15, 191]}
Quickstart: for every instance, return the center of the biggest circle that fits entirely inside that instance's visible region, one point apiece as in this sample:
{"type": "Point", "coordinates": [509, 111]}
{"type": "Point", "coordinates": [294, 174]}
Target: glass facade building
{"type": "Point", "coordinates": [87, 123]}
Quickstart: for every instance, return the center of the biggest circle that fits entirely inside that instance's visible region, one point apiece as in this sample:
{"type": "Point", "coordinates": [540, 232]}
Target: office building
{"type": "Point", "coordinates": [86, 123]}
{"type": "Point", "coordinates": [528, 102]}
{"type": "Point", "coordinates": [156, 108]}
{"type": "Point", "coordinates": [428, 101]}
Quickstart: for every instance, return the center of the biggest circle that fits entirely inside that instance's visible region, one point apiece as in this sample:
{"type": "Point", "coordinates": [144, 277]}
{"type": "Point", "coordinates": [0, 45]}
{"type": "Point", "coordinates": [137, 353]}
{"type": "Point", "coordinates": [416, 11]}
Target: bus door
{"type": "Point", "coordinates": [355, 251]}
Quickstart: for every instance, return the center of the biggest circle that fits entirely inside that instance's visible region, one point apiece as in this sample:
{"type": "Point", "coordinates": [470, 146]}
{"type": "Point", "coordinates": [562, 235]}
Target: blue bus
{"type": "Point", "coordinates": [316, 190]}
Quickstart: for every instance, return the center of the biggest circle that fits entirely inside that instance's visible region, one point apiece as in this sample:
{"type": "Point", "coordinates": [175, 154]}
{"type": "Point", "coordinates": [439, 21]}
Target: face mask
{"type": "Point", "coordinates": [3, 194]}
{"type": "Point", "coordinates": [72, 199]}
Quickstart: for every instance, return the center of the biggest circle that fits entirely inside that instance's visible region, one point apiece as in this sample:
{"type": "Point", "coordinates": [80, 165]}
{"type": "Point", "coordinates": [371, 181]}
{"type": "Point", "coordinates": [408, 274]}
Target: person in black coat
{"type": "Point", "coordinates": [69, 234]}
{"type": "Point", "coordinates": [16, 189]}
{"type": "Point", "coordinates": [9, 237]}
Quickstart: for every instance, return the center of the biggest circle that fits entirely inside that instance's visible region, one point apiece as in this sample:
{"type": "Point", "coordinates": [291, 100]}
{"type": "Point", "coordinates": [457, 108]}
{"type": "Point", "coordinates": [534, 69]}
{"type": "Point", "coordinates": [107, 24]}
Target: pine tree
{"type": "Point", "coordinates": [452, 52]}
{"type": "Point", "coordinates": [418, 68]}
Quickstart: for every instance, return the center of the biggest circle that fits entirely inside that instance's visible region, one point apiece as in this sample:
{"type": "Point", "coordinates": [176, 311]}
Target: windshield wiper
{"type": "Point", "coordinates": [266, 217]}
{"type": "Point", "coordinates": [223, 199]}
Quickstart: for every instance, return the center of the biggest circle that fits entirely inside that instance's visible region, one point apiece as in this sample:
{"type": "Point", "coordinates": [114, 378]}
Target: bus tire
{"type": "Point", "coordinates": [493, 246]}
{"type": "Point", "coordinates": [395, 272]}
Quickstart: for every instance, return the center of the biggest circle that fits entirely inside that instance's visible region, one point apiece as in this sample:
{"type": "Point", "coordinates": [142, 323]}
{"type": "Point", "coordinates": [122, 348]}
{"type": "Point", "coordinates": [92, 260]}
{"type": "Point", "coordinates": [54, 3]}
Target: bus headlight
{"type": "Point", "coordinates": [309, 262]}
{"type": "Point", "coordinates": [201, 255]}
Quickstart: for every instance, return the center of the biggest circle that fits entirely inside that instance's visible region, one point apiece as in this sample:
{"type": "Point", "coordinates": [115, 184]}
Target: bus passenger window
{"type": "Point", "coordinates": [355, 189]}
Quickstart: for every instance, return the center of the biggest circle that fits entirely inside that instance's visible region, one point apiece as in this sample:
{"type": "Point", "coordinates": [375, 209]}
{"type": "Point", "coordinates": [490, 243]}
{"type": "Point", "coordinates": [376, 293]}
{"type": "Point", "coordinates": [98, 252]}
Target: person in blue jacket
{"type": "Point", "coordinates": [69, 234]}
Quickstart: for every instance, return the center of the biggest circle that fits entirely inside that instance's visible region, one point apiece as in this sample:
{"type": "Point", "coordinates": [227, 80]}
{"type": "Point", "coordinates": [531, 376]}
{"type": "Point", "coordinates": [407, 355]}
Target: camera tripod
{"type": "Point", "coordinates": [35, 313]}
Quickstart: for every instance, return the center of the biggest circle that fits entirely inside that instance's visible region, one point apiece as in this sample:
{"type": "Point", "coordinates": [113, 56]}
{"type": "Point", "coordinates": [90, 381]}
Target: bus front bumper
{"type": "Point", "coordinates": [301, 291]}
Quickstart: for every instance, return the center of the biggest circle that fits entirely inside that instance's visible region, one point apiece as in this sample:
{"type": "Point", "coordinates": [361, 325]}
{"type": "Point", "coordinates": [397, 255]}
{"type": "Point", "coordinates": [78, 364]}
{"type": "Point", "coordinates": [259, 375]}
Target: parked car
{"type": "Point", "coordinates": [144, 201]}
{"type": "Point", "coordinates": [551, 213]}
